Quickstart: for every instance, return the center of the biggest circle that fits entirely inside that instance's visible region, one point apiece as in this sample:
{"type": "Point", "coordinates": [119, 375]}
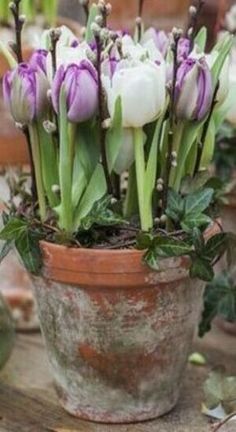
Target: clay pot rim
{"type": "Point", "coordinates": [215, 226]}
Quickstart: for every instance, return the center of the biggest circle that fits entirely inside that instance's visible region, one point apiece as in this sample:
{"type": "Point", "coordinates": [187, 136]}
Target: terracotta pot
{"type": "Point", "coordinates": [110, 325]}
{"type": "Point", "coordinates": [13, 148]}
{"type": "Point", "coordinates": [156, 12]}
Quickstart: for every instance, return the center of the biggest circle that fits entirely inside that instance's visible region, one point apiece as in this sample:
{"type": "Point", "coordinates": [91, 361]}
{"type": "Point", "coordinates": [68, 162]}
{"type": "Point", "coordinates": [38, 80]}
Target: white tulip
{"type": "Point", "coordinates": [67, 38]}
{"type": "Point", "coordinates": [126, 154]}
{"type": "Point", "coordinates": [231, 115]}
{"type": "Point", "coordinates": [141, 86]}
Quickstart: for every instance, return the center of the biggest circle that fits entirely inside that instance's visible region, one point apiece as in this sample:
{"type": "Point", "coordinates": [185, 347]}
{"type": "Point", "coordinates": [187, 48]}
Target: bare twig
{"type": "Point", "coordinates": [19, 22]}
{"type": "Point", "coordinates": [223, 422]}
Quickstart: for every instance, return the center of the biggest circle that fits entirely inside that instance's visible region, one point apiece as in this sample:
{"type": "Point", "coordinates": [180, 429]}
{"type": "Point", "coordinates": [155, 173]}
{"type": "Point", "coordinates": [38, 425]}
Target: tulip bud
{"type": "Point", "coordinates": [184, 46]}
{"type": "Point", "coordinates": [160, 38]}
{"type": "Point", "coordinates": [141, 86]}
{"type": "Point", "coordinates": [38, 60]}
{"type": "Point", "coordinates": [25, 92]}
{"type": "Point", "coordinates": [194, 90]}
{"type": "Point", "coordinates": [79, 82]}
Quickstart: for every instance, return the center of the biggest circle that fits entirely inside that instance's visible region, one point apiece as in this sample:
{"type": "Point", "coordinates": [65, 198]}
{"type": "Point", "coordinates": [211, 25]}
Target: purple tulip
{"type": "Point", "coordinates": [25, 92]}
{"type": "Point", "coordinates": [81, 90]}
{"type": "Point", "coordinates": [184, 46]}
{"type": "Point", "coordinates": [38, 60]}
{"type": "Point", "coordinates": [109, 66]}
{"type": "Point", "coordinates": [194, 89]}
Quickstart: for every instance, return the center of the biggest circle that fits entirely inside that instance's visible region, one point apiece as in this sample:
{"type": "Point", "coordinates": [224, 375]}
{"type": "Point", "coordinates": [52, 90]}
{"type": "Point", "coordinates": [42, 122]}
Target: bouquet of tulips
{"type": "Point", "coordinates": [30, 8]}
{"type": "Point", "coordinates": [121, 131]}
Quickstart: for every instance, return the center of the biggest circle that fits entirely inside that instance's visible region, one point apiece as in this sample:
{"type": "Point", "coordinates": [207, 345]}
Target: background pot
{"type": "Point", "coordinates": [110, 325]}
{"type": "Point", "coordinates": [6, 332]}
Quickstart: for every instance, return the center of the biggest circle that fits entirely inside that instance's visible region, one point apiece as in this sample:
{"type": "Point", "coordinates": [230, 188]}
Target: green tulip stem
{"type": "Point", "coordinates": [49, 164]}
{"type": "Point", "coordinates": [65, 169]}
{"type": "Point", "coordinates": [144, 210]}
{"type": "Point", "coordinates": [35, 145]}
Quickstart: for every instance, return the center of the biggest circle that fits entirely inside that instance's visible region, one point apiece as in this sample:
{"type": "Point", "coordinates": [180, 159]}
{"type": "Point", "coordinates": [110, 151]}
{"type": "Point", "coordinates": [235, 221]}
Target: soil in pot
{"type": "Point", "coordinates": [118, 334]}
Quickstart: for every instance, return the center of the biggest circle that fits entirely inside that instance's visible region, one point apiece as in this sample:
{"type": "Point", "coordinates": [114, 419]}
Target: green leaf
{"type": "Point", "coordinates": [151, 259]}
{"type": "Point", "coordinates": [101, 215]}
{"type": "Point", "coordinates": [193, 220]}
{"type": "Point", "coordinates": [199, 201]}
{"type": "Point", "coordinates": [27, 245]}
{"type": "Point", "coordinates": [95, 190]}
{"type": "Point", "coordinates": [166, 247]}
{"type": "Point", "coordinates": [175, 205]}
{"type": "Point", "coordinates": [216, 246]}
{"type": "Point", "coordinates": [114, 136]}
{"type": "Point", "coordinates": [197, 359]}
{"type": "Point", "coordinates": [219, 299]}
{"type": "Point", "coordinates": [93, 13]}
{"type": "Point", "coordinates": [7, 247]}
{"type": "Point", "coordinates": [223, 48]}
{"type": "Point", "coordinates": [13, 229]}
{"type": "Point", "coordinates": [144, 240]}
{"type": "Point", "coordinates": [201, 39]}
{"type": "Point", "coordinates": [198, 240]}
{"type": "Point", "coordinates": [190, 184]}
{"type": "Point", "coordinates": [201, 269]}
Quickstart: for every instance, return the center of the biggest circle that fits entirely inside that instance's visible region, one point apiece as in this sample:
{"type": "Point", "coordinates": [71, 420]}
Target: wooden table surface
{"type": "Point", "coordinates": [28, 402]}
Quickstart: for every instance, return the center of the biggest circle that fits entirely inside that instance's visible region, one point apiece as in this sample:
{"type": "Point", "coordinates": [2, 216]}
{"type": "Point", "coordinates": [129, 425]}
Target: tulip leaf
{"type": "Point", "coordinates": [95, 190]}
{"type": "Point", "coordinates": [198, 201]}
{"type": "Point", "coordinates": [224, 47]}
{"type": "Point", "coordinates": [114, 136]}
{"type": "Point", "coordinates": [201, 39]}
{"type": "Point", "coordinates": [189, 136]}
{"type": "Point", "coordinates": [8, 56]}
{"type": "Point", "coordinates": [93, 13]}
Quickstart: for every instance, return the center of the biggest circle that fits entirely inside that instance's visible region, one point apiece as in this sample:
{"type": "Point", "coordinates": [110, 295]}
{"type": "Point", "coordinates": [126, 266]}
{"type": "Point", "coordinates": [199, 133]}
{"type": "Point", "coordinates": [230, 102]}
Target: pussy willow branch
{"type": "Point", "coordinates": [194, 21]}
{"type": "Point", "coordinates": [172, 118]}
{"type": "Point", "coordinates": [205, 131]}
{"type": "Point", "coordinates": [140, 7]}
{"type": "Point", "coordinates": [15, 9]}
{"type": "Point", "coordinates": [102, 115]}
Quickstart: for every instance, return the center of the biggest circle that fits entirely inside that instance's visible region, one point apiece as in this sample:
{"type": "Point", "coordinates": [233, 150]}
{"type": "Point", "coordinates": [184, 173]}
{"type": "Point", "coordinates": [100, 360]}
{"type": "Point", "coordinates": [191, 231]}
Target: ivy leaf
{"type": "Point", "coordinates": [101, 215]}
{"type": "Point", "coordinates": [219, 299]}
{"type": "Point", "coordinates": [13, 229]}
{"type": "Point", "coordinates": [201, 269]}
{"type": "Point", "coordinates": [198, 240]}
{"type": "Point", "coordinates": [144, 240]}
{"type": "Point", "coordinates": [216, 246]}
{"type": "Point", "coordinates": [175, 206]}
{"type": "Point", "coordinates": [199, 201]}
{"type": "Point", "coordinates": [8, 245]}
{"type": "Point", "coordinates": [151, 259]}
{"type": "Point", "coordinates": [166, 247]}
{"type": "Point", "coordinates": [193, 220]}
{"type": "Point", "coordinates": [27, 245]}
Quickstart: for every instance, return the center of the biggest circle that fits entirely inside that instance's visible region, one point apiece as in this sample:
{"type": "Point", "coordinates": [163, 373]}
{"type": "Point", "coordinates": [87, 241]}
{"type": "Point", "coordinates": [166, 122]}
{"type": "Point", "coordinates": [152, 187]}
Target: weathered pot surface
{"type": "Point", "coordinates": [118, 334]}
